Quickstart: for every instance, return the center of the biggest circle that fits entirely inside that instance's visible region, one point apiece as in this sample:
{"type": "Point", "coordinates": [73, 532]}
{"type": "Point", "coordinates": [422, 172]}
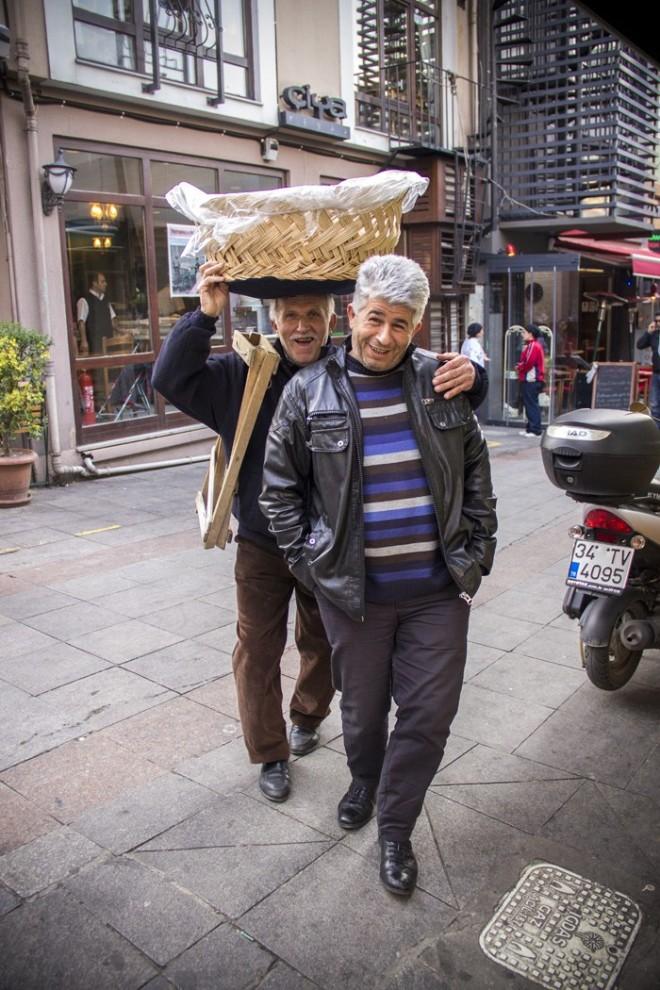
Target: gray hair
{"type": "Point", "coordinates": [327, 301]}
{"type": "Point", "coordinates": [396, 280]}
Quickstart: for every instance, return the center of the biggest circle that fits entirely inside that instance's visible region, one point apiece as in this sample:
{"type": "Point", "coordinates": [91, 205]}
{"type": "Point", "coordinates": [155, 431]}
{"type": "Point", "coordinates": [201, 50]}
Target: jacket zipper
{"type": "Point", "coordinates": [409, 393]}
{"type": "Point", "coordinates": [354, 413]}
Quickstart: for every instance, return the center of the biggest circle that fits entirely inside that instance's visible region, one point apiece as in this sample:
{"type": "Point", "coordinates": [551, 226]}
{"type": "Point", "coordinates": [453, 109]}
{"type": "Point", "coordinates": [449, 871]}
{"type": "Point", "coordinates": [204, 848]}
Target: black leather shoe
{"type": "Point", "coordinates": [274, 780]}
{"type": "Point", "coordinates": [302, 741]}
{"type": "Point", "coordinates": [398, 867]}
{"type": "Point", "coordinates": [355, 808]}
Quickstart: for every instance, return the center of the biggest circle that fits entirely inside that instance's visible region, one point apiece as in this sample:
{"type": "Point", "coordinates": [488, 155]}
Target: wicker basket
{"type": "Point", "coordinates": [308, 232]}
{"type": "Point", "coordinates": [280, 246]}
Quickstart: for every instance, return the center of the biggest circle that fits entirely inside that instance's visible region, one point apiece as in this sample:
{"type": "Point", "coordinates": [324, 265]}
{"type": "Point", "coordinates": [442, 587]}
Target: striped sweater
{"type": "Point", "coordinates": [403, 557]}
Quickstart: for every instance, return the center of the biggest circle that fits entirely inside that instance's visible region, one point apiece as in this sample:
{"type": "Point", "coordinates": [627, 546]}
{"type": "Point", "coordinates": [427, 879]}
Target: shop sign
{"type": "Point", "coordinates": [326, 112]}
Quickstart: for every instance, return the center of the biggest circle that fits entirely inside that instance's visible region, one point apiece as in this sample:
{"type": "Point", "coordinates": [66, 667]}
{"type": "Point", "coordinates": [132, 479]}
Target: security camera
{"type": "Point", "coordinates": [4, 42]}
{"type": "Point", "coordinates": [269, 149]}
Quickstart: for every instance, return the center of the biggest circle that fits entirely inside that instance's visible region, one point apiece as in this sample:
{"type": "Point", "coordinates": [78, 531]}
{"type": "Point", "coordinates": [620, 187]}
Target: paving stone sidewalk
{"type": "Point", "coordinates": [135, 848]}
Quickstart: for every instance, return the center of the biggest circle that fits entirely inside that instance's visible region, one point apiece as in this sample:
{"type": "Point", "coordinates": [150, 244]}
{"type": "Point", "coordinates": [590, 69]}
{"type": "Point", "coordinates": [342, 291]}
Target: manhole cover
{"type": "Point", "coordinates": [561, 930]}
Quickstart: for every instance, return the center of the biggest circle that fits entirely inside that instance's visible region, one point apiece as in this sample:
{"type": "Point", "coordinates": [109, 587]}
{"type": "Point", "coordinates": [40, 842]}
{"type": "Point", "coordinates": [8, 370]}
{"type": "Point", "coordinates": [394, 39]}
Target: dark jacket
{"type": "Point", "coordinates": [209, 387]}
{"type": "Point", "coordinates": [652, 340]}
{"type": "Point", "coordinates": [313, 479]}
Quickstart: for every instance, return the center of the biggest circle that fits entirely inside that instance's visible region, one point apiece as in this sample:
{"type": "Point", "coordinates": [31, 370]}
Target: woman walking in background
{"type": "Point", "coordinates": [531, 374]}
{"type": "Point", "coordinates": [472, 346]}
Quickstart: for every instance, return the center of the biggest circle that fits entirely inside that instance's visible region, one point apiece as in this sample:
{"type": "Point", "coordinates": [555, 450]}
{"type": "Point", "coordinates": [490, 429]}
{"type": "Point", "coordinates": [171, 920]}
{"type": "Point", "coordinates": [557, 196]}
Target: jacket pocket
{"type": "Point", "coordinates": [328, 432]}
{"type": "Point", "coordinates": [318, 541]}
{"type": "Point", "coordinates": [446, 415]}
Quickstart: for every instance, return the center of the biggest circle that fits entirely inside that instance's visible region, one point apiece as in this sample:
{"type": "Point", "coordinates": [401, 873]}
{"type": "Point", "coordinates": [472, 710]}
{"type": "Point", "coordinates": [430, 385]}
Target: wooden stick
{"type": "Point", "coordinates": [215, 509]}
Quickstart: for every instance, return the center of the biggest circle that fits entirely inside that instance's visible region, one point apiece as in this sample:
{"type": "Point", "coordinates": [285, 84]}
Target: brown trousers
{"type": "Point", "coordinates": [264, 586]}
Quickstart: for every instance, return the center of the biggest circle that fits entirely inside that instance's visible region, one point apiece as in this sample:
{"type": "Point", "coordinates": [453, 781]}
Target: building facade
{"type": "Point", "coordinates": [573, 206]}
{"type": "Point", "coordinates": [231, 96]}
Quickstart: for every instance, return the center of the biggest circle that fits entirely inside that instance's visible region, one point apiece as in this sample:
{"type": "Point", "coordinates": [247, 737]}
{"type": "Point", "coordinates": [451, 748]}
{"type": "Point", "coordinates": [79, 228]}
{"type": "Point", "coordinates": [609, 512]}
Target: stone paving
{"type": "Point", "coordinates": [135, 848]}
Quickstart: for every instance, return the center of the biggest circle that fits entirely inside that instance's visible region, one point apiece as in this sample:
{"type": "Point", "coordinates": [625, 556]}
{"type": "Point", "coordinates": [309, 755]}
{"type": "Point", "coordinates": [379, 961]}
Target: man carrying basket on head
{"type": "Point", "coordinates": [209, 387]}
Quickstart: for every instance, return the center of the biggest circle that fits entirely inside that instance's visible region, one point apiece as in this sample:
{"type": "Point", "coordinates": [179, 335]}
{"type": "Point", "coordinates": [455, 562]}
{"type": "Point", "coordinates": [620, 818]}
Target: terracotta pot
{"type": "Point", "coordinates": [15, 476]}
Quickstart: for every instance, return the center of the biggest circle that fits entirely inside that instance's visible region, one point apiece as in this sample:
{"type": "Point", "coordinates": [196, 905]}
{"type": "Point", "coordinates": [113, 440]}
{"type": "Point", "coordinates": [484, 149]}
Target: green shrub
{"type": "Point", "coordinates": [23, 359]}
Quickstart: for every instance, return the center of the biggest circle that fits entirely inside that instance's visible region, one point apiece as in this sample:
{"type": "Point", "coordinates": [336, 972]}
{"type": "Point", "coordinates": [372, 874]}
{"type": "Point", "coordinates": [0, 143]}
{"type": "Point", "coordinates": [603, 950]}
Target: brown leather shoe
{"type": "Point", "coordinates": [398, 867]}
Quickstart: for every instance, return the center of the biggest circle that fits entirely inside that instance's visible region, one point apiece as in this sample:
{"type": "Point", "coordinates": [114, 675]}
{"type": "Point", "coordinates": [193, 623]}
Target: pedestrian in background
{"type": "Point", "coordinates": [531, 375]}
{"type": "Point", "coordinates": [472, 346]}
{"type": "Point", "coordinates": [651, 338]}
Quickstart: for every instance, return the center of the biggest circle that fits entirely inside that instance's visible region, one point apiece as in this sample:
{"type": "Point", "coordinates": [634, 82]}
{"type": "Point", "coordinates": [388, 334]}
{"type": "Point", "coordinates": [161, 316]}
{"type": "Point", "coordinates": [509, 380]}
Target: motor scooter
{"type": "Point", "coordinates": [608, 461]}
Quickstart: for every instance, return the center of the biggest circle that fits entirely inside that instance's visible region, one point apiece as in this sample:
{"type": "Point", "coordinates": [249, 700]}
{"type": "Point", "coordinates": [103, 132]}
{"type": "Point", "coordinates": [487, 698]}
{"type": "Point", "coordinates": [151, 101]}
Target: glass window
{"type": "Point", "coordinates": [97, 44]}
{"type": "Point", "coordinates": [175, 65]}
{"type": "Point", "coordinates": [119, 393]}
{"type": "Point", "coordinates": [236, 79]}
{"type": "Point", "coordinates": [233, 28]}
{"type": "Point", "coordinates": [164, 175]}
{"type": "Point", "coordinates": [120, 10]}
{"type": "Point", "coordinates": [110, 173]}
{"type": "Point", "coordinates": [249, 314]}
{"type": "Point", "coordinates": [176, 276]}
{"type": "Point", "coordinates": [238, 182]}
{"type": "Point", "coordinates": [107, 274]}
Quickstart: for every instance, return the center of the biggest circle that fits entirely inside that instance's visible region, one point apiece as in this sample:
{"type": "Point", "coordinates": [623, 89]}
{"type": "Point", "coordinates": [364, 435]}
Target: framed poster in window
{"type": "Point", "coordinates": [182, 271]}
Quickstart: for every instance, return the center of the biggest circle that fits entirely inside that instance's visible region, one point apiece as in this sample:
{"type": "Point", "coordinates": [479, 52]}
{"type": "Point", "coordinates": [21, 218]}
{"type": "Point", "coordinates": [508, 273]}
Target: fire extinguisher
{"type": "Point", "coordinates": [86, 383]}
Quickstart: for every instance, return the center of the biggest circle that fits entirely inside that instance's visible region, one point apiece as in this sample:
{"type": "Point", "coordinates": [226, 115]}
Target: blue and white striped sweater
{"type": "Point", "coordinates": [403, 557]}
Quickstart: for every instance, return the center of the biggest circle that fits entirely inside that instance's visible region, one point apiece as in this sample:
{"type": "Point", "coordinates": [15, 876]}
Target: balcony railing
{"type": "Point", "coordinates": [418, 105]}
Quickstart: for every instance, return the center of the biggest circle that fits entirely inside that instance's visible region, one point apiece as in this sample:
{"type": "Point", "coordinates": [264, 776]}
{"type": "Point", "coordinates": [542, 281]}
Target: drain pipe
{"type": "Point", "coordinates": [34, 170]}
{"type": "Point", "coordinates": [90, 470]}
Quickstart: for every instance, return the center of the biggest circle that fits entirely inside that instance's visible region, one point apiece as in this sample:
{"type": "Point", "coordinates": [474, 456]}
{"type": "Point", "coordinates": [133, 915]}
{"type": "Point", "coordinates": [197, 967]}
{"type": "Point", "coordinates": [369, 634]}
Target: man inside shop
{"type": "Point", "coordinates": [209, 388]}
{"type": "Point", "coordinates": [95, 316]}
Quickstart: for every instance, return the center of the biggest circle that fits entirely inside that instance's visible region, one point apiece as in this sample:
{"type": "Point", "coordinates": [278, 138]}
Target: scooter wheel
{"type": "Point", "coordinates": [610, 667]}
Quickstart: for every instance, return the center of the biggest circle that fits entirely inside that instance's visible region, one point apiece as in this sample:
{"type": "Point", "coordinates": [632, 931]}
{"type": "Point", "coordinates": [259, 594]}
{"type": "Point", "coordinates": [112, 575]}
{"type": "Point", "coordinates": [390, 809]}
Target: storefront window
{"type": "Point", "coordinates": [165, 175]}
{"type": "Point", "coordinates": [122, 305]}
{"type": "Point", "coordinates": [176, 276]}
{"type": "Point", "coordinates": [107, 173]}
{"type": "Point", "coordinates": [125, 394]}
{"type": "Point", "coordinates": [234, 181]}
{"type": "Point", "coordinates": [107, 274]}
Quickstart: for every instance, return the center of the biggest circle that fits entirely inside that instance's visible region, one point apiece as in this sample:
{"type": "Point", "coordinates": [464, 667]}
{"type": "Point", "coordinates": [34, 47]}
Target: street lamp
{"type": "Point", "coordinates": [58, 178]}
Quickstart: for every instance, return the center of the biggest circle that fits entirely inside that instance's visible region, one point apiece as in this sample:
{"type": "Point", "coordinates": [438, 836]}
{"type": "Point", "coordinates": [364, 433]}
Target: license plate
{"type": "Point", "coordinates": [599, 566]}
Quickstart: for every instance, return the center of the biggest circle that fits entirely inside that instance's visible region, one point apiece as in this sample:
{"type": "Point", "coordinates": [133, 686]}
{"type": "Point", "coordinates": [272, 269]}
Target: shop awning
{"type": "Point", "coordinates": [642, 260]}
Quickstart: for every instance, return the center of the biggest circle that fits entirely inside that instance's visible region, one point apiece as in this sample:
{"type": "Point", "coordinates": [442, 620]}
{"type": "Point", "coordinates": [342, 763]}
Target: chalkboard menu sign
{"type": "Point", "coordinates": [615, 385]}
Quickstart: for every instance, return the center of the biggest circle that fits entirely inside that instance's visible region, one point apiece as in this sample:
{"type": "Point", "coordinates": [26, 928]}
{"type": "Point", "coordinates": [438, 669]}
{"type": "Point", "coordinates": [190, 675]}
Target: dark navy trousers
{"type": "Point", "coordinates": [413, 654]}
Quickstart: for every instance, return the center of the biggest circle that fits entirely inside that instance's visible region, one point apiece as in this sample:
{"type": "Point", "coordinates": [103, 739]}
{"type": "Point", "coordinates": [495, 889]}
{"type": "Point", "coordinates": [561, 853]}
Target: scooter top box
{"type": "Point", "coordinates": [601, 452]}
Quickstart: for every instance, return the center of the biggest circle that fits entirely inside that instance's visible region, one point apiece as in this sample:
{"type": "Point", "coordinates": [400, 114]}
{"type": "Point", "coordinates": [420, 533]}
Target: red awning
{"type": "Point", "coordinates": [641, 259]}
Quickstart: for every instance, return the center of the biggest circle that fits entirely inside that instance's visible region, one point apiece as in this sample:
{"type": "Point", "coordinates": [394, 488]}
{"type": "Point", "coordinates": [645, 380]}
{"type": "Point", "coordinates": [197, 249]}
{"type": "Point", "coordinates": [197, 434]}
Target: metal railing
{"type": "Point", "coordinates": [419, 105]}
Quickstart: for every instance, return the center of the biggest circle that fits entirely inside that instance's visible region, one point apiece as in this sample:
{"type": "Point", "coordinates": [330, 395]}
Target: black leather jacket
{"type": "Point", "coordinates": [312, 492]}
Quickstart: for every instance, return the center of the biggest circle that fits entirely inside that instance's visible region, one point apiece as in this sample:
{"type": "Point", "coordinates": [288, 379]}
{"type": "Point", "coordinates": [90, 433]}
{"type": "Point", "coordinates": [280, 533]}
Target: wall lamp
{"type": "Point", "coordinates": [57, 180]}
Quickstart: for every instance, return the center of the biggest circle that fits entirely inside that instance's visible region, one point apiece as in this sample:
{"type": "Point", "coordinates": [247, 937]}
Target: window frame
{"type": "Point", "coordinates": [140, 31]}
{"type": "Point", "coordinates": [161, 419]}
{"type": "Point", "coordinates": [382, 103]}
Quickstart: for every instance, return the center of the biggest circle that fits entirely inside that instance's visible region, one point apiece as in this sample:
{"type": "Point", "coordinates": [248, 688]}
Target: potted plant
{"type": "Point", "coordinates": [23, 358]}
